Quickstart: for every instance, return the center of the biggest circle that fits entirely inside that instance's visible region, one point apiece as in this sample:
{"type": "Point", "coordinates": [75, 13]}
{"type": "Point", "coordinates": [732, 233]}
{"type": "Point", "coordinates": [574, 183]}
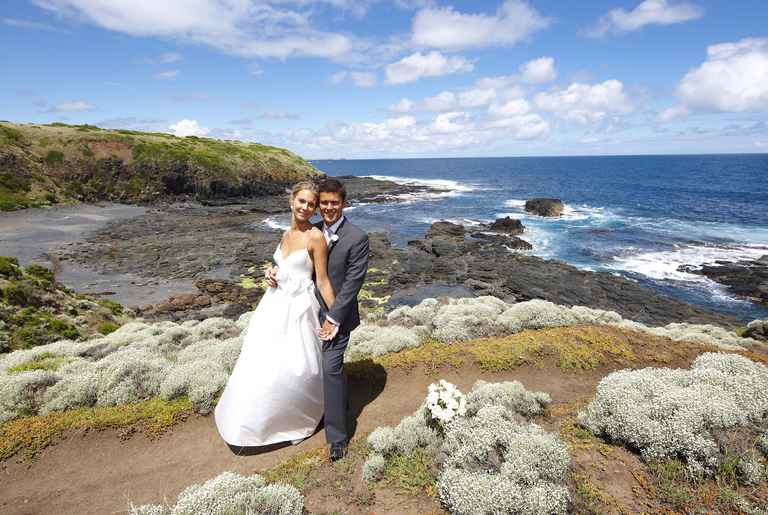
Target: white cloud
{"type": "Point", "coordinates": [446, 28]}
{"type": "Point", "coordinates": [418, 65]}
{"type": "Point", "coordinates": [454, 121]}
{"type": "Point", "coordinates": [539, 70]}
{"type": "Point", "coordinates": [673, 113]}
{"type": "Point", "coordinates": [27, 24]}
{"type": "Point", "coordinates": [167, 75]}
{"type": "Point", "coordinates": [477, 97]}
{"type": "Point", "coordinates": [401, 122]}
{"type": "Point", "coordinates": [277, 115]}
{"type": "Point", "coordinates": [72, 106]}
{"type": "Point", "coordinates": [359, 79]}
{"type": "Point", "coordinates": [248, 28]}
{"type": "Point", "coordinates": [169, 57]}
{"type": "Point", "coordinates": [734, 78]}
{"type": "Point", "coordinates": [444, 101]}
{"type": "Point", "coordinates": [404, 106]}
{"type": "Point", "coordinates": [363, 79]}
{"type": "Point", "coordinates": [523, 126]}
{"type": "Point", "coordinates": [648, 12]}
{"type": "Point", "coordinates": [338, 77]}
{"type": "Point", "coordinates": [186, 127]}
{"type": "Point", "coordinates": [585, 103]}
{"type": "Point", "coordinates": [511, 108]}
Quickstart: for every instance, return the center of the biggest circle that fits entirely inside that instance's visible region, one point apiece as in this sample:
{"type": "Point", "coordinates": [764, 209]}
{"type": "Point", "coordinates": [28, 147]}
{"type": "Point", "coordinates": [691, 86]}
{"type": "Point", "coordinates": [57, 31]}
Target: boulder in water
{"type": "Point", "coordinates": [544, 206]}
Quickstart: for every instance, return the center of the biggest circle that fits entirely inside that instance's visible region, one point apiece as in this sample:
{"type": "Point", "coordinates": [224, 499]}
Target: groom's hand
{"type": "Point", "coordinates": [328, 331]}
{"type": "Point", "coordinates": [270, 273]}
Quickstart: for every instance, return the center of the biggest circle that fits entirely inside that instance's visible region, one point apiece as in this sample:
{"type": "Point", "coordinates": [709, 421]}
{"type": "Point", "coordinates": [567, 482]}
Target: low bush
{"type": "Point", "coordinates": [231, 494]}
{"type": "Point", "coordinates": [492, 460]}
{"type": "Point", "coordinates": [675, 413]}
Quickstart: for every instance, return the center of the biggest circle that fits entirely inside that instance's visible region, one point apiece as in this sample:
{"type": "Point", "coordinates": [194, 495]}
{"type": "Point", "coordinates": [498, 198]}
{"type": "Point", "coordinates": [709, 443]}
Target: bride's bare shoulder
{"type": "Point", "coordinates": [316, 236]}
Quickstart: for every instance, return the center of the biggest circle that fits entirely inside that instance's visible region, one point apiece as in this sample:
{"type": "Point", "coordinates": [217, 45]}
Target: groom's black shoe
{"type": "Point", "coordinates": [338, 451]}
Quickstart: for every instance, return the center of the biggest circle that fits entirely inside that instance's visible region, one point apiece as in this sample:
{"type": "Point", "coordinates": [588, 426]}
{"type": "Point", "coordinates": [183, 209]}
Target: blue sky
{"type": "Point", "coordinates": [377, 78]}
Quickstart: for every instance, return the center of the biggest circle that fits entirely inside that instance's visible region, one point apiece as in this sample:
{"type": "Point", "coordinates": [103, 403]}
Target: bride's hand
{"type": "Point", "coordinates": [270, 273]}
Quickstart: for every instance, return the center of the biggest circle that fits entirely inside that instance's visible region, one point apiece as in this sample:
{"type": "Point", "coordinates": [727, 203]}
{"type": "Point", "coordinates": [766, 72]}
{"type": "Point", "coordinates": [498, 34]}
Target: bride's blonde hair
{"type": "Point", "coordinates": [305, 185]}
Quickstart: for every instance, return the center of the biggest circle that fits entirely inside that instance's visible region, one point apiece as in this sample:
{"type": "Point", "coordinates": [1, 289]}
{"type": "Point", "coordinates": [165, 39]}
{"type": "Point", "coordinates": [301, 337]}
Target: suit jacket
{"type": "Point", "coordinates": [347, 266]}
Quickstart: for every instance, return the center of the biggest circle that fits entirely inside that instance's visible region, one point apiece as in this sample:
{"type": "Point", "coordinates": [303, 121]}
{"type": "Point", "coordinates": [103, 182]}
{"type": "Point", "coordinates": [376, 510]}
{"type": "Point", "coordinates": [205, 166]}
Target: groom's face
{"type": "Point", "coordinates": [331, 206]}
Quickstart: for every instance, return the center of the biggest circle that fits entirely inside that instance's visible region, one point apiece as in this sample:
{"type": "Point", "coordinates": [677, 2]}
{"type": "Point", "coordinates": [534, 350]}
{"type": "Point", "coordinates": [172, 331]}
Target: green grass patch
{"type": "Point", "coordinates": [671, 482]}
{"type": "Point", "coordinates": [9, 267]}
{"type": "Point", "coordinates": [115, 307]}
{"type": "Point", "coordinates": [32, 434]}
{"type": "Point", "coordinates": [40, 272]}
{"type": "Point", "coordinates": [296, 470]}
{"type": "Point", "coordinates": [413, 474]}
{"type": "Point", "coordinates": [106, 328]}
{"type": "Point", "coordinates": [11, 136]}
{"type": "Point", "coordinates": [54, 157]}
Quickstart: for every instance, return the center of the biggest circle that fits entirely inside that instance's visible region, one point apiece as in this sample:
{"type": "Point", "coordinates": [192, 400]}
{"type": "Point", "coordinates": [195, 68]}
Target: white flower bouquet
{"type": "Point", "coordinates": [444, 402]}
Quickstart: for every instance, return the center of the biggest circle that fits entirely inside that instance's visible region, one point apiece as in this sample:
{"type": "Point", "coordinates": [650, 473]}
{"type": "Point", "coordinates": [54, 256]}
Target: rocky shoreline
{"type": "Point", "coordinates": [747, 279]}
{"type": "Point", "coordinates": [217, 250]}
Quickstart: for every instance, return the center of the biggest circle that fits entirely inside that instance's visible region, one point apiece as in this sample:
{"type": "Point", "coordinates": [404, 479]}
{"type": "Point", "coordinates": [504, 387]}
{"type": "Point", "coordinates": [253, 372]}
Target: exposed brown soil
{"type": "Point", "coordinates": [99, 472]}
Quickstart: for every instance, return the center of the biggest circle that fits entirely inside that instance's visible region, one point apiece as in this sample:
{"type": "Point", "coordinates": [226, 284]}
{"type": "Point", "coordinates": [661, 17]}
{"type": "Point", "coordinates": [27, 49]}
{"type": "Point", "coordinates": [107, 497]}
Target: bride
{"type": "Point", "coordinates": [275, 392]}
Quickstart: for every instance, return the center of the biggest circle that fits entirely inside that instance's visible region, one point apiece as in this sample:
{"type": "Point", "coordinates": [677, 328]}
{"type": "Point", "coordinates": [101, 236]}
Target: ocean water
{"type": "Point", "coordinates": [638, 216]}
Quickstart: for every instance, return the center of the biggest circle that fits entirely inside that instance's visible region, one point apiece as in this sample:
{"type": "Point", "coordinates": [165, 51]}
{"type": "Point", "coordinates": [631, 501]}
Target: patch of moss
{"type": "Point", "coordinates": [413, 474]}
{"type": "Point", "coordinates": [9, 267]}
{"type": "Point", "coordinates": [40, 329]}
{"type": "Point", "coordinates": [21, 293]}
{"type": "Point", "coordinates": [11, 136]}
{"type": "Point", "coordinates": [54, 157]}
{"type": "Point", "coordinates": [32, 434]}
{"type": "Point", "coordinates": [44, 361]}
{"type": "Point", "coordinates": [115, 307]}
{"type": "Point", "coordinates": [40, 272]}
{"type": "Point", "coordinates": [106, 328]}
{"type": "Point", "coordinates": [569, 348]}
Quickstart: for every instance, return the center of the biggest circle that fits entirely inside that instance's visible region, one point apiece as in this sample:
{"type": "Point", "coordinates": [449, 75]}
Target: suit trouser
{"type": "Point", "coordinates": [335, 389]}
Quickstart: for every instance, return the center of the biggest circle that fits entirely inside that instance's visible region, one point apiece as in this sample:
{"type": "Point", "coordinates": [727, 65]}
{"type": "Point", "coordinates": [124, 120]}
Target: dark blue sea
{"type": "Point", "coordinates": [638, 216]}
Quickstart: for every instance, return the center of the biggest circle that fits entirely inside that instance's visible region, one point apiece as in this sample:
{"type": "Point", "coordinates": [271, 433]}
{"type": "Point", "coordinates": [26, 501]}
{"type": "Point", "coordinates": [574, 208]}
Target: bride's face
{"type": "Point", "coordinates": [303, 205]}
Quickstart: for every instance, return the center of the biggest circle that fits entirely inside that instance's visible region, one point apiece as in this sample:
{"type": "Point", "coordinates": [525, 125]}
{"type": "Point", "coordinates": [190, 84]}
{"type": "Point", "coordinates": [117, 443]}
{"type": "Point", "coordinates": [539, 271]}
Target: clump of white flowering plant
{"type": "Point", "coordinates": [230, 493]}
{"type": "Point", "coordinates": [490, 458]}
{"type": "Point", "coordinates": [444, 402]}
{"type": "Point", "coordinates": [667, 413]}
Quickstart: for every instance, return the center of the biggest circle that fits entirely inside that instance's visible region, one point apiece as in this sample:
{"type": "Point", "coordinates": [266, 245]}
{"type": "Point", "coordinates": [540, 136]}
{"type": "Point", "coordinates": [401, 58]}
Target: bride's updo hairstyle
{"type": "Point", "coordinates": [305, 185]}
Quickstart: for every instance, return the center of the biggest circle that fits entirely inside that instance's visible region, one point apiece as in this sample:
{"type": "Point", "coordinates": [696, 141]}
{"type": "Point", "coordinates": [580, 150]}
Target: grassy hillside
{"type": "Point", "coordinates": [49, 164]}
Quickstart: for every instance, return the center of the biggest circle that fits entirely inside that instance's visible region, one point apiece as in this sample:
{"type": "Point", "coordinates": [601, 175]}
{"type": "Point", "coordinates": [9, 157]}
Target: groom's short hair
{"type": "Point", "coordinates": [332, 185]}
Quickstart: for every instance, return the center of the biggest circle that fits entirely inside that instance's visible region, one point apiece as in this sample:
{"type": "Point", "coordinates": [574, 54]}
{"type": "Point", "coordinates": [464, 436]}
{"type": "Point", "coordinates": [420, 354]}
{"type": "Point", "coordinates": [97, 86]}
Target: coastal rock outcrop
{"type": "Point", "coordinates": [485, 266]}
{"type": "Point", "coordinates": [743, 278]}
{"type": "Point", "coordinates": [757, 329]}
{"type": "Point", "coordinates": [507, 225]}
{"type": "Point", "coordinates": [544, 206]}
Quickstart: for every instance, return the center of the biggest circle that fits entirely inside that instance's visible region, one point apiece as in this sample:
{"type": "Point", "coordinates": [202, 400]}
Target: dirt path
{"type": "Point", "coordinates": [99, 473]}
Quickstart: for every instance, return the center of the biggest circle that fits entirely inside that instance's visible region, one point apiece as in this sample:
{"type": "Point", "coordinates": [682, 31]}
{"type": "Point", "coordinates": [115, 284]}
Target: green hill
{"type": "Point", "coordinates": [58, 163]}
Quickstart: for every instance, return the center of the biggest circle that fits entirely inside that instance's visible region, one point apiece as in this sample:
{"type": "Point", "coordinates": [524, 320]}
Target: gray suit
{"type": "Point", "coordinates": [347, 266]}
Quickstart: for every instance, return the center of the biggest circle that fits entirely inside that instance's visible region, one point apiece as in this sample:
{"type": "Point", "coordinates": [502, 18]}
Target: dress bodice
{"type": "Point", "coordinates": [294, 271]}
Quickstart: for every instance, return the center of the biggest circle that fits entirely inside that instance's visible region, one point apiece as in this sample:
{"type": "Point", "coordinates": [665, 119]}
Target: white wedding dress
{"type": "Point", "coordinates": [275, 392]}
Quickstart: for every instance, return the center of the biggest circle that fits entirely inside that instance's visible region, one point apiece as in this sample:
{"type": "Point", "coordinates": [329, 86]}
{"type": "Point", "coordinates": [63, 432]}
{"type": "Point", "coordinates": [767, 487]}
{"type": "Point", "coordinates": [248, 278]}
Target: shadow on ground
{"type": "Point", "coordinates": [366, 382]}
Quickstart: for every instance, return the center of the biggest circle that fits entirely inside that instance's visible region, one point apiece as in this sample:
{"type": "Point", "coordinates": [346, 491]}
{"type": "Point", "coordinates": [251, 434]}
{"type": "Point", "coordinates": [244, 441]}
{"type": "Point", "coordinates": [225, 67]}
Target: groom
{"type": "Point", "coordinates": [347, 266]}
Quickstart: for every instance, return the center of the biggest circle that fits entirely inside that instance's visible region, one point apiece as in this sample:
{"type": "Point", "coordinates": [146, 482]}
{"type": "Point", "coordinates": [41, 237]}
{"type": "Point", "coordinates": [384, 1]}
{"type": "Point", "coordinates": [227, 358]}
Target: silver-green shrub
{"type": "Point", "coordinates": [374, 467]}
{"type": "Point", "coordinates": [371, 340]}
{"type": "Point", "coordinates": [510, 395]}
{"type": "Point", "coordinates": [231, 494]}
{"type": "Point", "coordinates": [762, 443]}
{"type": "Point", "coordinates": [467, 318]}
{"type": "Point", "coordinates": [138, 361]}
{"type": "Point", "coordinates": [492, 460]}
{"type": "Point", "coordinates": [20, 393]}
{"type": "Point", "coordinates": [666, 413]}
